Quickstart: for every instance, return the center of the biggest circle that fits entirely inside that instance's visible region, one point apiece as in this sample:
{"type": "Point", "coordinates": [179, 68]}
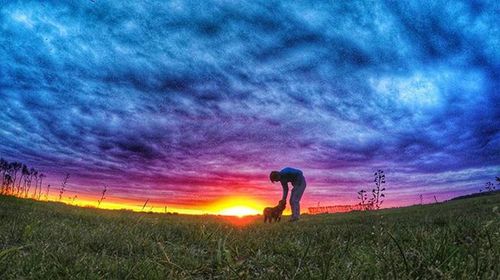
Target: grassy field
{"type": "Point", "coordinates": [454, 240]}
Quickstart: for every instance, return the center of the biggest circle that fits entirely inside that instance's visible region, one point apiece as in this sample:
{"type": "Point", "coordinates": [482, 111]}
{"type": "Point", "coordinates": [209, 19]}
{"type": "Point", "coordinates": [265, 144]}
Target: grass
{"type": "Point", "coordinates": [454, 240]}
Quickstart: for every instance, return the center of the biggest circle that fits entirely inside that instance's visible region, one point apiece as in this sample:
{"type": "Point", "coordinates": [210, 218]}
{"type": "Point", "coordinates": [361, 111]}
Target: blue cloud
{"type": "Point", "coordinates": [132, 94]}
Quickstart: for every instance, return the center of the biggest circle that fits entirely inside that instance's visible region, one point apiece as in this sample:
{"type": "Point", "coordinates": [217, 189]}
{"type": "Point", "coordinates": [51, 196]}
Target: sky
{"type": "Point", "coordinates": [190, 103]}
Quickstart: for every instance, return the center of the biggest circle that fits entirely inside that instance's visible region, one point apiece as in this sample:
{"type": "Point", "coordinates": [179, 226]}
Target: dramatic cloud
{"type": "Point", "coordinates": [189, 101]}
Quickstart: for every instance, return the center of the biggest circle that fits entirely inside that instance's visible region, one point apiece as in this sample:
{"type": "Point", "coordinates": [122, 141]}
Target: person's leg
{"type": "Point", "coordinates": [295, 199]}
{"type": "Point", "coordinates": [293, 202]}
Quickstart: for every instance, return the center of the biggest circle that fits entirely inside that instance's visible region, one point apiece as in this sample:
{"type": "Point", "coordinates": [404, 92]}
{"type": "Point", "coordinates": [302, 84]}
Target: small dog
{"type": "Point", "coordinates": [271, 213]}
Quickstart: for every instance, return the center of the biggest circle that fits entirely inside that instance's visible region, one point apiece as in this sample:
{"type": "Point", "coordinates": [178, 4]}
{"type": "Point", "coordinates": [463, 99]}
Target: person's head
{"type": "Point", "coordinates": [275, 176]}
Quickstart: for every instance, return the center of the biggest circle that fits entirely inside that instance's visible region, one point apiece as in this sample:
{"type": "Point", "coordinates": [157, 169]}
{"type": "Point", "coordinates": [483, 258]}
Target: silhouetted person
{"type": "Point", "coordinates": [294, 176]}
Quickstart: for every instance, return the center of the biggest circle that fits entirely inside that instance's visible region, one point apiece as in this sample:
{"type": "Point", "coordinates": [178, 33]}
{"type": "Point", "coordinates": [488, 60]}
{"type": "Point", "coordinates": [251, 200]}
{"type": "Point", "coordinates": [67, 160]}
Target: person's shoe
{"type": "Point", "coordinates": [293, 219]}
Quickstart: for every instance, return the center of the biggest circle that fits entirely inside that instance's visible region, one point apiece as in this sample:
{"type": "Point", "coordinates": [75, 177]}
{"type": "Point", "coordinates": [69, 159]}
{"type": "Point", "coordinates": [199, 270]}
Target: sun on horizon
{"type": "Point", "coordinates": [239, 211]}
{"type": "Point", "coordinates": [238, 206]}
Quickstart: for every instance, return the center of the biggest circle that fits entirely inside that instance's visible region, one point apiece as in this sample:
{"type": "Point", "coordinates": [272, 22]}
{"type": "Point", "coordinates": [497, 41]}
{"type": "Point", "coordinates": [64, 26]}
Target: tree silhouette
{"type": "Point", "coordinates": [3, 169]}
{"type": "Point", "coordinates": [16, 166]}
{"type": "Point", "coordinates": [41, 176]}
{"type": "Point", "coordinates": [63, 186]}
{"type": "Point", "coordinates": [17, 179]}
{"type": "Point", "coordinates": [35, 177]}
{"type": "Point", "coordinates": [489, 187]}
{"type": "Point", "coordinates": [47, 193]}
{"type": "Point", "coordinates": [26, 172]}
{"type": "Point", "coordinates": [8, 170]}
{"type": "Point", "coordinates": [363, 197]}
{"type": "Point", "coordinates": [378, 192]}
{"type": "Point", "coordinates": [31, 176]}
{"type": "Point", "coordinates": [7, 182]}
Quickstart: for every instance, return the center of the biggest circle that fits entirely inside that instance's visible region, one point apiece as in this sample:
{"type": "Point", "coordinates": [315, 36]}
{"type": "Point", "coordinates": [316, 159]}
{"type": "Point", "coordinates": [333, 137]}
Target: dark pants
{"type": "Point", "coordinates": [297, 191]}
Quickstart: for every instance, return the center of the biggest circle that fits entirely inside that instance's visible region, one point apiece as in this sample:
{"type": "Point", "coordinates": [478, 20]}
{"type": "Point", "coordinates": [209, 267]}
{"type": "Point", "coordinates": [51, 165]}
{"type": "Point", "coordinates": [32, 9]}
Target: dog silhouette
{"type": "Point", "coordinates": [271, 213]}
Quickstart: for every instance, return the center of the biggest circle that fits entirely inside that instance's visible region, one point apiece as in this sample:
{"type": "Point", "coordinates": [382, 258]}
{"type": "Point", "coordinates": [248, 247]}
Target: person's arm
{"type": "Point", "coordinates": [285, 190]}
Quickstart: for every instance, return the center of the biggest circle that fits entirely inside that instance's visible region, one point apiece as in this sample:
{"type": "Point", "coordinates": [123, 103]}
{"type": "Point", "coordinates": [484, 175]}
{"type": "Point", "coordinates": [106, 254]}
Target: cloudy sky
{"type": "Point", "coordinates": [187, 102]}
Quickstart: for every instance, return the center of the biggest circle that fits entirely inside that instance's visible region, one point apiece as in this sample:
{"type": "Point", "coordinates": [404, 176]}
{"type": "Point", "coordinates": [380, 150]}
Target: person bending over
{"type": "Point", "coordinates": [296, 178]}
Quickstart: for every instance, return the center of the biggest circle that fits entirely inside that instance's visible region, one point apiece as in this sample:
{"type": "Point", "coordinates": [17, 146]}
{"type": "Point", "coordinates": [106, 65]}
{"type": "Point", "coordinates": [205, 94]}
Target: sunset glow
{"type": "Point", "coordinates": [229, 206]}
{"type": "Point", "coordinates": [237, 206]}
{"type": "Point", "coordinates": [239, 211]}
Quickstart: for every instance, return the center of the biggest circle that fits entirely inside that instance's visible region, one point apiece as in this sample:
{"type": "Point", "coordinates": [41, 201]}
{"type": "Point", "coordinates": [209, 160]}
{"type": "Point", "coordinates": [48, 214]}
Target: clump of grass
{"type": "Point", "coordinates": [102, 196]}
{"type": "Point", "coordinates": [63, 186]}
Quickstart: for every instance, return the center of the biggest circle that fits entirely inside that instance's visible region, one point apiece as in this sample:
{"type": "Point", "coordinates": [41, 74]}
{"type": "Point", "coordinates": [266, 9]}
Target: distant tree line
{"type": "Point", "coordinates": [19, 179]}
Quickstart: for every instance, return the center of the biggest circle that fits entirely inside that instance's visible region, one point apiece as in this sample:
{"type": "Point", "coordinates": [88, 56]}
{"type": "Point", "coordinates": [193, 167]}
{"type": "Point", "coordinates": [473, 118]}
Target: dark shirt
{"type": "Point", "coordinates": [290, 175]}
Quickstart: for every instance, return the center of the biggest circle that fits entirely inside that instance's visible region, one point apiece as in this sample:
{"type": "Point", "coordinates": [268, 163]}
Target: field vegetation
{"type": "Point", "coordinates": [49, 240]}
